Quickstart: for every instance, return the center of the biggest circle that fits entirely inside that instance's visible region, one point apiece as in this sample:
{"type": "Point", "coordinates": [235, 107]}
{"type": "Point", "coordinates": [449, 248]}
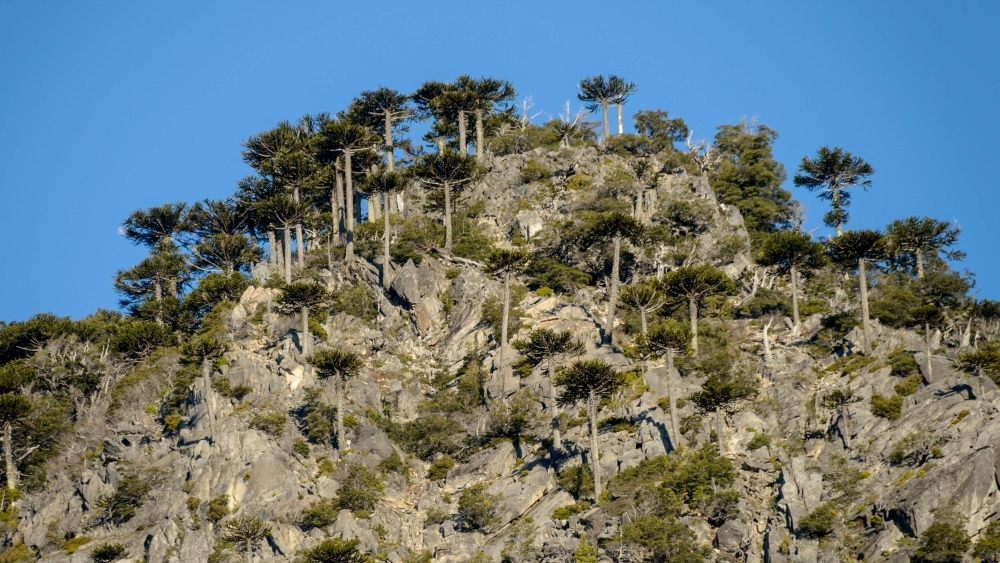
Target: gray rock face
{"type": "Point", "coordinates": [417, 287]}
{"type": "Point", "coordinates": [529, 223]}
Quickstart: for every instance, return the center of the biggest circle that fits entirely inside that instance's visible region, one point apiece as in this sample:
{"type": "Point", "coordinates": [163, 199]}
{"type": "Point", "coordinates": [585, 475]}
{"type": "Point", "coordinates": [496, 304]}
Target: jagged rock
{"type": "Point", "coordinates": [487, 464]}
{"type": "Point", "coordinates": [733, 537]}
{"type": "Point", "coordinates": [800, 491]}
{"type": "Point", "coordinates": [417, 287]}
{"type": "Point", "coordinates": [373, 441]}
{"type": "Point", "coordinates": [529, 223]}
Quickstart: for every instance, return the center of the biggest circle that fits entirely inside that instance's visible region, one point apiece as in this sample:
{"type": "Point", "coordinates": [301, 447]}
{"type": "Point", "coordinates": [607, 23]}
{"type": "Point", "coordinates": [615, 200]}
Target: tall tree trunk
{"type": "Point", "coordinates": [390, 159]}
{"type": "Point", "coordinates": [835, 200]}
{"type": "Point", "coordinates": [693, 315]}
{"type": "Point", "coordinates": [919, 255]}
{"type": "Point", "coordinates": [341, 384]}
{"type": "Point", "coordinates": [447, 216]}
{"type": "Point", "coordinates": [463, 147]}
{"type": "Point", "coordinates": [306, 342]}
{"type": "Point", "coordinates": [299, 239]}
{"type": "Point", "coordinates": [642, 320]}
{"type": "Point", "coordinates": [374, 207]}
{"type": "Point", "coordinates": [503, 337]}
{"type": "Point", "coordinates": [863, 285]}
{"type": "Point", "coordinates": [675, 428]}
{"type": "Point", "coordinates": [272, 248]}
{"type": "Point", "coordinates": [206, 374]}
{"type": "Point", "coordinates": [386, 266]}
{"type": "Point", "coordinates": [767, 342]}
{"type": "Point", "coordinates": [621, 126]}
{"type": "Point", "coordinates": [479, 135]}
{"type": "Point", "coordinates": [440, 145]}
{"type": "Point", "coordinates": [279, 254]}
{"type": "Point", "coordinates": [8, 456]}
{"type": "Point", "coordinates": [288, 253]}
{"type": "Point", "coordinates": [594, 453]}
{"type": "Point", "coordinates": [720, 429]}
{"type": "Point", "coordinates": [339, 211]}
{"type": "Point", "coordinates": [349, 206]}
{"type": "Point", "coordinates": [604, 114]}
{"type": "Point", "coordinates": [613, 290]}
{"type": "Point", "coordinates": [795, 300]}
{"type": "Point", "coordinates": [927, 343]}
{"type": "Point", "coordinates": [556, 434]}
{"type": "Point", "coordinates": [847, 429]}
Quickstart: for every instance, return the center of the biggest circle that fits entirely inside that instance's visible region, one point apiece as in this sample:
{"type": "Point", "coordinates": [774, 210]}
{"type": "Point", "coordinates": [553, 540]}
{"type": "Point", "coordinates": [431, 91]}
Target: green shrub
{"type": "Point", "coordinates": [334, 550]}
{"type": "Point", "coordinates": [171, 422]}
{"type": "Point", "coordinates": [577, 480]}
{"type": "Point", "coordinates": [435, 517]}
{"type": "Point", "coordinates": [887, 407]}
{"type": "Point", "coordinates": [218, 508]}
{"type": "Point", "coordinates": [320, 513]}
{"type": "Point", "coordinates": [942, 542]}
{"type": "Point", "coordinates": [225, 388]}
{"type": "Point", "coordinates": [988, 545]}
{"type": "Point", "coordinates": [17, 553]}
{"type": "Point", "coordinates": [109, 553]}
{"type": "Point", "coordinates": [301, 447]}
{"type": "Point", "coordinates": [393, 464]}
{"type": "Point", "coordinates": [666, 539]}
{"type": "Point", "coordinates": [360, 490]}
{"type": "Point", "coordinates": [569, 510]}
{"type": "Point", "coordinates": [759, 441]}
{"type": "Point", "coordinates": [73, 544]}
{"type": "Point", "coordinates": [477, 508]}
{"type": "Point", "coordinates": [119, 507]}
{"type": "Point", "coordinates": [272, 422]}
{"type": "Point", "coordinates": [820, 522]}
{"type": "Point", "coordinates": [909, 386]}
{"type": "Point", "coordinates": [544, 291]}
{"type": "Point", "coordinates": [357, 300]}
{"type": "Point", "coordinates": [903, 363]}
{"type": "Point", "coordinates": [439, 468]}
{"type": "Point", "coordinates": [584, 552]}
{"type": "Point", "coordinates": [534, 171]}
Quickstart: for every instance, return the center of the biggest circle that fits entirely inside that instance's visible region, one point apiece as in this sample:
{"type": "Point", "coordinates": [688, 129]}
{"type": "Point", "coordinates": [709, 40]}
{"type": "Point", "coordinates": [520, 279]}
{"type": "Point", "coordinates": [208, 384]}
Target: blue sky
{"type": "Point", "coordinates": [106, 107]}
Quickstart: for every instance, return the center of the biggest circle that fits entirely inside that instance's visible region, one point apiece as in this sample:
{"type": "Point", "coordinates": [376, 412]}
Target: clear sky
{"type": "Point", "coordinates": [106, 107]}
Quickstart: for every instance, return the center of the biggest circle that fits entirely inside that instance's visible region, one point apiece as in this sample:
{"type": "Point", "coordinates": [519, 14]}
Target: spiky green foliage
{"type": "Point", "coordinates": [334, 550]}
{"type": "Point", "coordinates": [246, 533]}
{"type": "Point", "coordinates": [109, 553]}
{"type": "Point", "coordinates": [791, 253]}
{"type": "Point", "coordinates": [336, 363]}
{"type": "Point", "coordinates": [833, 172]}
{"type": "Point", "coordinates": [693, 284]}
{"type": "Point", "coordinates": [915, 240]}
{"type": "Point", "coordinates": [451, 172]}
{"type": "Point", "coordinates": [155, 226]}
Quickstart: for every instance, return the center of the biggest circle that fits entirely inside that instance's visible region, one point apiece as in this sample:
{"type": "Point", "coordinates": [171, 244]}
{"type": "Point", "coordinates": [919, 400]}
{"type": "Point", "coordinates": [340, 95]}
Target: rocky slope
{"type": "Point", "coordinates": [942, 452]}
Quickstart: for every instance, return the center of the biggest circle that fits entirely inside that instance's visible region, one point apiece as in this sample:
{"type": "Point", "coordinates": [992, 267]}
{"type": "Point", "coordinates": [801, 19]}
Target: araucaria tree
{"type": "Point", "coordinates": [14, 408]}
{"type": "Point", "coordinates": [451, 172]}
{"type": "Point", "coordinates": [547, 345]}
{"type": "Point", "coordinates": [598, 93]}
{"type": "Point", "coordinates": [383, 183]}
{"type": "Point", "coordinates": [623, 90]}
{"type": "Point", "coordinates": [853, 250]}
{"type": "Point", "coordinates": [668, 339]}
{"type": "Point", "coordinates": [588, 382]}
{"type": "Point", "coordinates": [615, 227]}
{"type": "Point", "coordinates": [916, 239]}
{"type": "Point", "coordinates": [301, 297]}
{"type": "Point", "coordinates": [504, 264]}
{"type": "Point", "coordinates": [645, 298]}
{"type": "Point", "coordinates": [282, 210]}
{"type": "Point", "coordinates": [339, 365]}
{"type": "Point", "coordinates": [489, 94]}
{"type": "Point", "coordinates": [693, 284]}
{"type": "Point", "coordinates": [833, 172]}
{"type": "Point", "coordinates": [792, 253]}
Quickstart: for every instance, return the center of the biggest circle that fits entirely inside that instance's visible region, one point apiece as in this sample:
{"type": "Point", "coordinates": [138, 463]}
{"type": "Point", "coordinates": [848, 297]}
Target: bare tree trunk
{"type": "Point", "coordinates": [479, 135]}
{"type": "Point", "coordinates": [720, 429]}
{"type": "Point", "coordinates": [767, 341]}
{"type": "Point", "coordinates": [835, 200]}
{"type": "Point", "coordinates": [462, 133]}
{"type": "Point", "coordinates": [613, 290]}
{"type": "Point", "coordinates": [8, 456]}
{"type": "Point", "coordinates": [594, 454]}
{"type": "Point", "coordinates": [693, 314]}
{"type": "Point", "coordinates": [795, 300]}
{"type": "Point", "coordinates": [556, 434]}
{"type": "Point", "coordinates": [503, 337]}
{"type": "Point", "coordinates": [847, 429]}
{"type": "Point", "coordinates": [299, 239]}
{"type": "Point", "coordinates": [863, 285]}
{"type": "Point", "coordinates": [604, 114]}
{"type": "Point", "coordinates": [927, 342]}
{"type": "Point", "coordinates": [288, 253]}
{"type": "Point", "coordinates": [675, 428]}
{"type": "Point", "coordinates": [305, 331]}
{"type": "Point", "coordinates": [339, 210]}
{"type": "Point", "coordinates": [349, 206]}
{"type": "Point", "coordinates": [621, 127]}
{"type": "Point", "coordinates": [340, 383]}
{"type": "Point", "coordinates": [386, 266]}
{"type": "Point", "coordinates": [919, 255]}
{"type": "Point", "coordinates": [447, 216]}
{"type": "Point", "coordinates": [272, 248]}
{"type": "Point", "coordinates": [642, 320]}
{"type": "Point", "coordinates": [390, 159]}
{"type": "Point", "coordinates": [206, 373]}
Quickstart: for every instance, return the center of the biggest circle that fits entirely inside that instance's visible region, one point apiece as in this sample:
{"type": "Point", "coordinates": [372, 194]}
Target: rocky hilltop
{"type": "Point", "coordinates": [833, 454]}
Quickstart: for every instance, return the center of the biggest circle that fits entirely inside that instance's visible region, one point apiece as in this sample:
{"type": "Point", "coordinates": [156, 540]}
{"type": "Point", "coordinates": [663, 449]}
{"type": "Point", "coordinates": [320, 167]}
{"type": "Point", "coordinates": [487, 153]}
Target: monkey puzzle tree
{"type": "Point", "coordinates": [615, 227]}
{"type": "Point", "coordinates": [833, 172]}
{"type": "Point", "coordinates": [14, 408]}
{"type": "Point", "coordinates": [384, 182]}
{"type": "Point", "coordinates": [623, 90]}
{"type": "Point", "coordinates": [504, 264]}
{"type": "Point", "coordinates": [668, 339]}
{"type": "Point", "coordinates": [344, 137]}
{"type": "Point", "coordinates": [853, 250]}
{"type": "Point", "coordinates": [157, 226]}
{"type": "Point", "coordinates": [694, 284]}
{"type": "Point", "coordinates": [149, 289]}
{"type": "Point", "coordinates": [598, 93]}
{"type": "Point", "coordinates": [588, 382]}
{"type": "Point", "coordinates": [914, 239]}
{"type": "Point", "coordinates": [386, 112]}
{"type": "Point", "coordinates": [335, 550]}
{"type": "Point", "coordinates": [301, 297]}
{"type": "Point", "coordinates": [644, 298]}
{"type": "Point", "coordinates": [547, 345]}
{"type": "Point", "coordinates": [791, 252]}
{"type": "Point", "coordinates": [338, 365]}
{"type": "Point", "coordinates": [283, 210]}
{"type": "Point", "coordinates": [429, 106]}
{"type": "Point", "coordinates": [451, 172]}
{"type": "Point", "coordinates": [724, 392]}
{"type": "Point", "coordinates": [489, 93]}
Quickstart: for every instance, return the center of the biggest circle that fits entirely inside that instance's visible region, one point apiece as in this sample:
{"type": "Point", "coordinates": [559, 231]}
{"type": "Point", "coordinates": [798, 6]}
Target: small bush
{"type": "Point", "coordinates": [393, 464]}
{"type": "Point", "coordinates": [272, 422]}
{"type": "Point", "coordinates": [357, 300]}
{"type": "Point", "coordinates": [477, 508]}
{"type": "Point", "coordinates": [439, 468]}
{"type": "Point", "coordinates": [820, 522]}
{"type": "Point", "coordinates": [909, 386]}
{"type": "Point", "coordinates": [988, 545]}
{"type": "Point", "coordinates": [320, 513]}
{"type": "Point", "coordinates": [759, 441]}
{"type": "Point", "coordinates": [120, 506]}
{"type": "Point", "coordinates": [73, 544]}
{"type": "Point", "coordinates": [565, 512]}
{"type": "Point", "coordinates": [887, 407]}
{"type": "Point", "coordinates": [334, 550]}
{"type": "Point", "coordinates": [302, 448]}
{"type": "Point", "coordinates": [534, 171]}
{"type": "Point", "coordinates": [17, 553]}
{"type": "Point", "coordinates": [435, 517]}
{"type": "Point", "coordinates": [171, 422]}
{"type": "Point", "coordinates": [218, 508]}
{"type": "Point", "coordinates": [109, 553]}
{"type": "Point", "coordinates": [942, 542]}
{"type": "Point", "coordinates": [577, 481]}
{"type": "Point", "coordinates": [360, 490]}
{"type": "Point", "coordinates": [903, 363]}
